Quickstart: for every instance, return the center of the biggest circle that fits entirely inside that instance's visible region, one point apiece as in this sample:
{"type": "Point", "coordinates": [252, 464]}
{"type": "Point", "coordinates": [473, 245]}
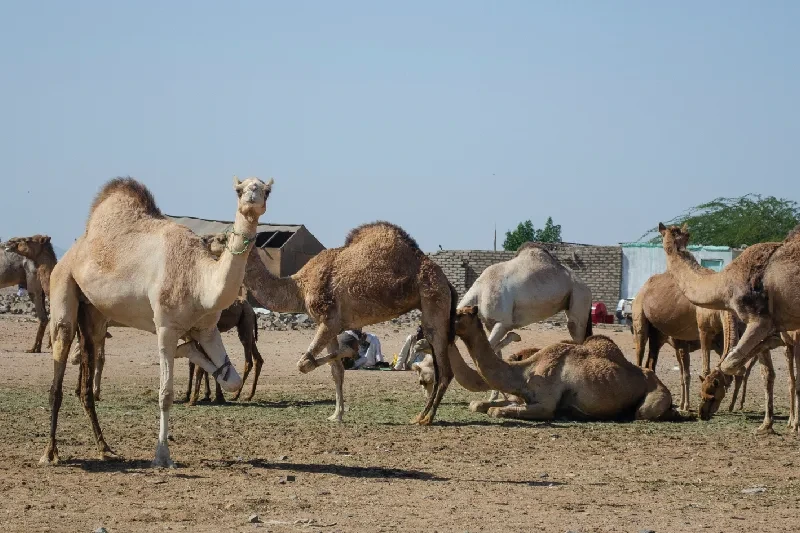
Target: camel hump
{"type": "Point", "coordinates": [380, 229]}
{"type": "Point", "coordinates": [601, 344]}
{"type": "Point", "coordinates": [136, 193]}
{"type": "Point", "coordinates": [535, 246]}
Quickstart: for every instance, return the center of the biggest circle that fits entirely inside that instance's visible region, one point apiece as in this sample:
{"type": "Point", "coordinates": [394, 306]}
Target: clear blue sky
{"type": "Point", "coordinates": [445, 117]}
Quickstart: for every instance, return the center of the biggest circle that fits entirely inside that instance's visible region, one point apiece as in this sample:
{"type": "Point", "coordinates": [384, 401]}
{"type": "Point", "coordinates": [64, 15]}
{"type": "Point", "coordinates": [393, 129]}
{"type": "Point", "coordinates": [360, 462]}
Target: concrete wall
{"type": "Point", "coordinates": [600, 267]}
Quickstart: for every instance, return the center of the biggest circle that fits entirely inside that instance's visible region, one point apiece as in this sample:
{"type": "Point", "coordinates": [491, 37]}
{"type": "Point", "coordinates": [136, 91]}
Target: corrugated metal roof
{"type": "Point", "coordinates": [203, 226]}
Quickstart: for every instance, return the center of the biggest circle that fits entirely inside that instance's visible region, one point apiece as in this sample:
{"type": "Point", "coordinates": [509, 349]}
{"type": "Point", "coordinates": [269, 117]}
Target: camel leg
{"type": "Point", "coordinates": [191, 382]}
{"type": "Point", "coordinates": [195, 381]}
{"type": "Point", "coordinates": [768, 376]}
{"type": "Point", "coordinates": [744, 379]}
{"type": "Point", "coordinates": [100, 362]}
{"type": "Point", "coordinates": [322, 338]}
{"type": "Point", "coordinates": [706, 340]}
{"type": "Point", "coordinates": [337, 372]}
{"type": "Point", "coordinates": [436, 325]}
{"type": "Point", "coordinates": [755, 332]}
{"type": "Point", "coordinates": [41, 313]}
{"type": "Point", "coordinates": [207, 395]}
{"type": "Point", "coordinates": [219, 398]}
{"type": "Point", "coordinates": [578, 318]}
{"type": "Point", "coordinates": [92, 325]}
{"type": "Point", "coordinates": [792, 384]}
{"type": "Point", "coordinates": [167, 345]}
{"type": "Point", "coordinates": [682, 355]}
{"type": "Point", "coordinates": [259, 362]}
{"type": "Point", "coordinates": [481, 406]}
{"type": "Point", "coordinates": [497, 334]}
{"type": "Point", "coordinates": [534, 411]}
{"type": "Point", "coordinates": [655, 342]}
{"type": "Point", "coordinates": [657, 402]}
{"type": "Point", "coordinates": [796, 350]}
{"type": "Point", "coordinates": [246, 338]}
{"type": "Point", "coordinates": [64, 311]}
{"type": "Point", "coordinates": [641, 332]}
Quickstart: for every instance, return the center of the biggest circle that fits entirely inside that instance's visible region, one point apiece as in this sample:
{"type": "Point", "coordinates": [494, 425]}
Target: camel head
{"type": "Point", "coordinates": [424, 368]}
{"type": "Point", "coordinates": [30, 247]}
{"type": "Point", "coordinates": [215, 242]}
{"type": "Point", "coordinates": [467, 320]}
{"type": "Point", "coordinates": [675, 238]}
{"type": "Point", "coordinates": [253, 194]}
{"type": "Point", "coordinates": [712, 390]}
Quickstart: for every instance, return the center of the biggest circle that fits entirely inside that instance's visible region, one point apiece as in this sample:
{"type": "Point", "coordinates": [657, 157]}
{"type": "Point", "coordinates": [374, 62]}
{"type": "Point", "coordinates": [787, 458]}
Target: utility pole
{"type": "Point", "coordinates": [495, 236]}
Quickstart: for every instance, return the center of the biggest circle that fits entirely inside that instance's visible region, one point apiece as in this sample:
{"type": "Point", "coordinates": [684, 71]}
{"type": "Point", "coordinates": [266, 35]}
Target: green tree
{"type": "Point", "coordinates": [526, 232]}
{"type": "Point", "coordinates": [733, 222]}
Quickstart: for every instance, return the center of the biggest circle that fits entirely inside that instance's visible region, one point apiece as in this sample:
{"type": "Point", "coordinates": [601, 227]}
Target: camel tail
{"type": "Point", "coordinates": [451, 334]}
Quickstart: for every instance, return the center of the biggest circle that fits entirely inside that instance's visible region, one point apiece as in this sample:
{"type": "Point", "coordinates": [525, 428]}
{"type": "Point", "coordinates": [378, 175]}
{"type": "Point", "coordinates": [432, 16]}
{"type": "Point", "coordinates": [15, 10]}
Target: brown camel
{"type": "Point", "coordinates": [28, 261]}
{"type": "Point", "coordinates": [134, 266]}
{"type": "Point", "coordinates": [380, 273]}
{"type": "Point", "coordinates": [760, 286]}
{"type": "Point", "coordinates": [662, 314]}
{"type": "Point", "coordinates": [241, 316]}
{"type": "Point", "coordinates": [590, 381]}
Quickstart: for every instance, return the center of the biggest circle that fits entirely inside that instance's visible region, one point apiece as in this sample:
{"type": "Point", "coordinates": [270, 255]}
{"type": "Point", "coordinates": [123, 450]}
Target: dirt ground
{"type": "Point", "coordinates": [375, 472]}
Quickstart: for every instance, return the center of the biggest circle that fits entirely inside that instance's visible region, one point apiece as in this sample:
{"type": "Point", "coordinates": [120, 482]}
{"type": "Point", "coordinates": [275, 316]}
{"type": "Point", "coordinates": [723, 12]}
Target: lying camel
{"type": "Point", "coordinates": [241, 316]}
{"type": "Point", "coordinates": [590, 381]}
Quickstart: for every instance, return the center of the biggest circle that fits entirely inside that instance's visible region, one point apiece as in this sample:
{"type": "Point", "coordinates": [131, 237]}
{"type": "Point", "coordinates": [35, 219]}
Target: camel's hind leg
{"type": "Point", "coordinates": [258, 363]}
{"type": "Point", "coordinates": [337, 372]}
{"type": "Point", "coordinates": [641, 332]}
{"type": "Point", "coordinates": [100, 362]}
{"type": "Point", "coordinates": [92, 325]}
{"type": "Point", "coordinates": [245, 332]}
{"type": "Point", "coordinates": [796, 350]}
{"type": "Point", "coordinates": [790, 366]}
{"type": "Point", "coordinates": [64, 311]}
{"type": "Point", "coordinates": [41, 313]}
{"type": "Point", "coordinates": [682, 355]}
{"type": "Point", "coordinates": [768, 376]}
{"type": "Point", "coordinates": [191, 382]}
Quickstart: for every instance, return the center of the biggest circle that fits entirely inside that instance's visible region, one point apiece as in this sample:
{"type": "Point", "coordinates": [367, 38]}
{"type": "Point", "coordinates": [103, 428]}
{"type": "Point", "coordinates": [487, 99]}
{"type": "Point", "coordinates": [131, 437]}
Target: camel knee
{"type": "Point", "coordinates": [165, 398]}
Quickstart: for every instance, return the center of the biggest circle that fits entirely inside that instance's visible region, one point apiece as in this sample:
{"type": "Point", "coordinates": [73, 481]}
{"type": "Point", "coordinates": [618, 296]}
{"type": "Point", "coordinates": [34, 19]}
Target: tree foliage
{"type": "Point", "coordinates": [526, 232]}
{"type": "Point", "coordinates": [739, 221]}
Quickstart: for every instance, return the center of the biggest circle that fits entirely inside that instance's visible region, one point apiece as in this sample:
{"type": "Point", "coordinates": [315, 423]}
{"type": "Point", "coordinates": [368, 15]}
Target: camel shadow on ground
{"type": "Point", "coordinates": [125, 466]}
{"type": "Point", "coordinates": [372, 472]}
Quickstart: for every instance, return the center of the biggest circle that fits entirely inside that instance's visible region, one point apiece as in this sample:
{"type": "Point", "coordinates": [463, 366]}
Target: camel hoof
{"type": "Point", "coordinates": [33, 350]}
{"type": "Point", "coordinates": [109, 455]}
{"type": "Point", "coordinates": [306, 365]}
{"type": "Point", "coordinates": [477, 406]}
{"type": "Point", "coordinates": [423, 421]}
{"type": "Point", "coordinates": [220, 400]}
{"type": "Point", "coordinates": [50, 458]}
{"type": "Point", "coordinates": [235, 397]}
{"type": "Point", "coordinates": [335, 417]}
{"type": "Point", "coordinates": [249, 398]}
{"type": "Point", "coordinates": [765, 430]}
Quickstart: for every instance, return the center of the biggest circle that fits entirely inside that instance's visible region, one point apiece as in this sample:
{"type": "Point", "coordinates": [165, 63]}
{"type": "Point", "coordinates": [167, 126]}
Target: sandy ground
{"type": "Point", "coordinates": [375, 472]}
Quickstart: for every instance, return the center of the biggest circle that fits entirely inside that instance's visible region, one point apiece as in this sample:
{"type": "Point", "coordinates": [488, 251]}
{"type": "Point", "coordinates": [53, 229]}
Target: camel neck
{"type": "Point", "coordinates": [497, 373]}
{"type": "Point", "coordinates": [701, 286]}
{"type": "Point", "coordinates": [276, 294]}
{"type": "Point", "coordinates": [229, 269]}
{"type": "Point", "coordinates": [464, 374]}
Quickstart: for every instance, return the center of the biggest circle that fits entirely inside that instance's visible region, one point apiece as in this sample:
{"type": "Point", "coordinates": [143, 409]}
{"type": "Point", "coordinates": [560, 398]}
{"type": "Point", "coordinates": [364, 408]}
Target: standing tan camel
{"type": "Point", "coordinates": [532, 286]}
{"type": "Point", "coordinates": [662, 314]}
{"type": "Point", "coordinates": [591, 381]}
{"type": "Point", "coordinates": [760, 286]}
{"type": "Point", "coordinates": [380, 273]}
{"type": "Point", "coordinates": [134, 266]}
{"type": "Point", "coordinates": [239, 315]}
{"type": "Point", "coordinates": [28, 261]}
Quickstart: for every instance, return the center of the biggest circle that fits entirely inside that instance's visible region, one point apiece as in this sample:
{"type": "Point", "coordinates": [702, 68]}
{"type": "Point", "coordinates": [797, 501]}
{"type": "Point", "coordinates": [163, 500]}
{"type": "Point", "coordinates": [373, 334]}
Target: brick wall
{"type": "Point", "coordinates": [600, 267]}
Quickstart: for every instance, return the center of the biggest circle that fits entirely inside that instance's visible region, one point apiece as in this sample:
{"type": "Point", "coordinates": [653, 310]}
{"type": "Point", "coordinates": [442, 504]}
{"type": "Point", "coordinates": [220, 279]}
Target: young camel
{"type": "Point", "coordinates": [662, 314]}
{"type": "Point", "coordinates": [760, 286]}
{"type": "Point", "coordinates": [380, 273]}
{"type": "Point", "coordinates": [241, 316]}
{"type": "Point", "coordinates": [591, 381]}
{"type": "Point", "coordinates": [28, 261]}
{"type": "Point", "coordinates": [134, 266]}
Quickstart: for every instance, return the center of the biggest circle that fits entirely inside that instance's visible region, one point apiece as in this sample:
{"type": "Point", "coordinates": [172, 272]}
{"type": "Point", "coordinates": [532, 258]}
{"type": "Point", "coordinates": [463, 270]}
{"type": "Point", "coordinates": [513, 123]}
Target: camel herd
{"type": "Point", "coordinates": [133, 267]}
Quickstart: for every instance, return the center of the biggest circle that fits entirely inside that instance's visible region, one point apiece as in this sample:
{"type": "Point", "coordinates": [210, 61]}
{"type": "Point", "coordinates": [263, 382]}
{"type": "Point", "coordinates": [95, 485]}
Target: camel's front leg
{"type": "Point", "coordinates": [755, 332]}
{"type": "Point", "coordinates": [790, 369]}
{"type": "Point", "coordinates": [337, 372]}
{"type": "Point", "coordinates": [536, 411]}
{"type": "Point", "coordinates": [796, 350]}
{"type": "Point", "coordinates": [325, 335]}
{"type": "Point", "coordinates": [768, 376]}
{"type": "Point", "coordinates": [41, 314]}
{"type": "Point", "coordinates": [167, 344]}
{"type": "Point", "coordinates": [481, 406]}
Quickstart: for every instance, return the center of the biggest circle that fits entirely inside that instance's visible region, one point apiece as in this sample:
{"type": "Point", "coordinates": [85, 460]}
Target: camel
{"type": "Point", "coordinates": [591, 381]}
{"type": "Point", "coordinates": [241, 316]}
{"type": "Point", "coordinates": [714, 385]}
{"type": "Point", "coordinates": [662, 314]}
{"type": "Point", "coordinates": [760, 286]}
{"type": "Point", "coordinates": [380, 273]}
{"type": "Point", "coordinates": [531, 287]}
{"type": "Point", "coordinates": [28, 261]}
{"type": "Point", "coordinates": [134, 266]}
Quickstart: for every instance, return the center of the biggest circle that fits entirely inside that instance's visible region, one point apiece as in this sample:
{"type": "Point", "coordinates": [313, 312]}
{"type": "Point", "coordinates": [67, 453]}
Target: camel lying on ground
{"type": "Point", "coordinates": [590, 381]}
{"type": "Point", "coordinates": [28, 261]}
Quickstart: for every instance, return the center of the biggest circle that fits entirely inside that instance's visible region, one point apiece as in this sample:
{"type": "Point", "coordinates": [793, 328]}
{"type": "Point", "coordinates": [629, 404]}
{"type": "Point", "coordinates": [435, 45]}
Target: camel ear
{"type": "Point", "coordinates": [702, 377]}
{"type": "Point", "coordinates": [662, 229]}
{"type": "Point", "coordinates": [270, 182]}
{"type": "Point", "coordinates": [473, 310]}
{"type": "Point", "coordinates": [685, 228]}
{"type": "Point", "coordinates": [237, 185]}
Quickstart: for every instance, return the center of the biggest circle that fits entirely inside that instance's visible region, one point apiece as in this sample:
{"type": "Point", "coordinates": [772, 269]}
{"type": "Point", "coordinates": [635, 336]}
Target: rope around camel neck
{"type": "Point", "coordinates": [247, 241]}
